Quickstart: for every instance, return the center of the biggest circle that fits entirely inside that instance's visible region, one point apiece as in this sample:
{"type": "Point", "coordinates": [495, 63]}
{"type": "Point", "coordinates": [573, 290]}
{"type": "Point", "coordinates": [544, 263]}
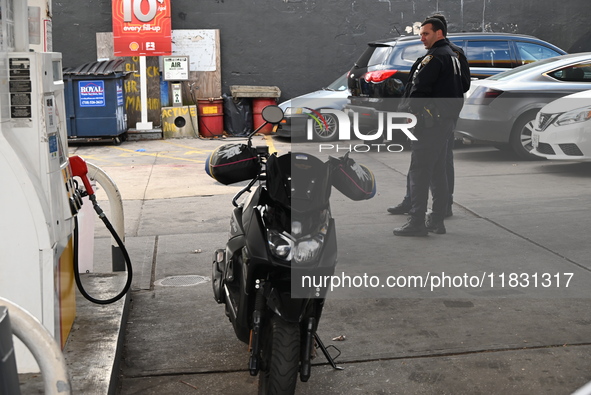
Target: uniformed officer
{"type": "Point", "coordinates": [404, 206]}
{"type": "Point", "coordinates": [434, 94]}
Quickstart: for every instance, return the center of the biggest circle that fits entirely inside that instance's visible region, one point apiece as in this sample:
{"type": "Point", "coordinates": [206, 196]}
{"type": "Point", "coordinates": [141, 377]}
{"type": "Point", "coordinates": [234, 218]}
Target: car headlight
{"type": "Point", "coordinates": [574, 116]}
{"type": "Point", "coordinates": [289, 111]}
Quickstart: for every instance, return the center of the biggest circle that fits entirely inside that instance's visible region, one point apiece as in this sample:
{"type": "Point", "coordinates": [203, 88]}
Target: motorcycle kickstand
{"type": "Point", "coordinates": [329, 357]}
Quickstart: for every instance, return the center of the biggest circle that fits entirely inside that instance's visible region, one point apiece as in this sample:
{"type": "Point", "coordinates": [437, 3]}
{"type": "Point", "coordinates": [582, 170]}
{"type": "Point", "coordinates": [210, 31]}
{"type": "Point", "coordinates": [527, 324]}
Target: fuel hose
{"type": "Point", "coordinates": [121, 245]}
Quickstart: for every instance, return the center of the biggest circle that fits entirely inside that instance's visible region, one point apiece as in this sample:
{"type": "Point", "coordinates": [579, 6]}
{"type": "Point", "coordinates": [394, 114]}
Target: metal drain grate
{"type": "Point", "coordinates": [182, 281]}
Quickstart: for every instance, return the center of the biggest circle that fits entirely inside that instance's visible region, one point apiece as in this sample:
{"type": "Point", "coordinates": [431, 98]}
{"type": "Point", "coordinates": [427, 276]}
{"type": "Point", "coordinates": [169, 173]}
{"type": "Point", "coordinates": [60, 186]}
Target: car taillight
{"type": "Point", "coordinates": [483, 95]}
{"type": "Point", "coordinates": [379, 75]}
{"type": "Point", "coordinates": [491, 93]}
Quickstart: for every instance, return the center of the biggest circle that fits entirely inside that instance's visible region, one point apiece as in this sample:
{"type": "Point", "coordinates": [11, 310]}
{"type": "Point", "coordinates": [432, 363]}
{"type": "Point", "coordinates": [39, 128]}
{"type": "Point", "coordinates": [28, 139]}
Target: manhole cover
{"type": "Point", "coordinates": [182, 281]}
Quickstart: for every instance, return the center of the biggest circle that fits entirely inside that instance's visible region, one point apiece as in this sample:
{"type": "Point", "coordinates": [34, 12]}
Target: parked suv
{"type": "Point", "coordinates": [377, 79]}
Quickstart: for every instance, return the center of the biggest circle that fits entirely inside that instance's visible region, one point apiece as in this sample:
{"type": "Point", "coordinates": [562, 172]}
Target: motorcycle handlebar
{"type": "Point", "coordinates": [245, 189]}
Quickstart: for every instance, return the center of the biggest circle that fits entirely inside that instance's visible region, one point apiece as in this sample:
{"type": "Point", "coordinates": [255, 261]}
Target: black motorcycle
{"type": "Point", "coordinates": [282, 231]}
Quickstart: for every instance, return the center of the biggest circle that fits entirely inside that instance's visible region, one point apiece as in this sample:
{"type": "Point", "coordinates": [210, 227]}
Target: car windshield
{"type": "Point", "coordinates": [339, 85]}
{"type": "Point", "coordinates": [506, 75]}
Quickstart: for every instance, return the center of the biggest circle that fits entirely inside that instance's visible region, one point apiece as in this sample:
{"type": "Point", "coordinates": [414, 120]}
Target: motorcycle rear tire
{"type": "Point", "coordinates": [280, 357]}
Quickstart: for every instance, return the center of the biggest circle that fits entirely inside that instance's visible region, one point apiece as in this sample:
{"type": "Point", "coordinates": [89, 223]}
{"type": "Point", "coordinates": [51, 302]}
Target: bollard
{"type": "Point", "coordinates": [117, 217]}
{"type": "Point", "coordinates": [9, 383]}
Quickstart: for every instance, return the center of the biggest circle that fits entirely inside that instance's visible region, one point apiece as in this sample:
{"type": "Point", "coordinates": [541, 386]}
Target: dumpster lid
{"type": "Point", "coordinates": [254, 91]}
{"type": "Point", "coordinates": [104, 67]}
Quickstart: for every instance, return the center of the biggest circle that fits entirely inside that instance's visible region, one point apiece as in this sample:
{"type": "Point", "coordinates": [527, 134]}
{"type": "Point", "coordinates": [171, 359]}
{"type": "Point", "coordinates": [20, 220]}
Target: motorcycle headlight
{"type": "Point", "coordinates": [307, 250]}
{"type": "Point", "coordinates": [305, 242]}
{"type": "Point", "coordinates": [280, 244]}
{"type": "Point", "coordinates": [574, 116]}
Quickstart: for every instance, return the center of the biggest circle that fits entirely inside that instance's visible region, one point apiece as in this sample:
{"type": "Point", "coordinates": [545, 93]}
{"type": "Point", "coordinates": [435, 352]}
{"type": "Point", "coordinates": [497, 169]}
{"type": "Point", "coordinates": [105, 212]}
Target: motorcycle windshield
{"type": "Point", "coordinates": [299, 181]}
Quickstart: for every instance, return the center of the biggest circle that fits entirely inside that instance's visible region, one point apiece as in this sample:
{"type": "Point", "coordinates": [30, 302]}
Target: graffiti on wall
{"type": "Point", "coordinates": [179, 121]}
{"type": "Point", "coordinates": [133, 101]}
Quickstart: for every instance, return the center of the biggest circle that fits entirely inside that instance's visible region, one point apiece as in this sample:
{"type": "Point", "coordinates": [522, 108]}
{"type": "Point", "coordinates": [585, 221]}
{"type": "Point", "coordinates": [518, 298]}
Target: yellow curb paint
{"type": "Point", "coordinates": [270, 144]}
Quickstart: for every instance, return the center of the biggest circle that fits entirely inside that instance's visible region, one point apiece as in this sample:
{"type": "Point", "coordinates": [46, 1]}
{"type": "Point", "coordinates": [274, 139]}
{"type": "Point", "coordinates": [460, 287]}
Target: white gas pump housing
{"type": "Point", "coordinates": [37, 199]}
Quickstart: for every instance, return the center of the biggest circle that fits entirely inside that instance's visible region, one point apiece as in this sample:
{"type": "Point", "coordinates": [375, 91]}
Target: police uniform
{"type": "Point", "coordinates": [449, 163]}
{"type": "Point", "coordinates": [404, 207]}
{"type": "Point", "coordinates": [434, 94]}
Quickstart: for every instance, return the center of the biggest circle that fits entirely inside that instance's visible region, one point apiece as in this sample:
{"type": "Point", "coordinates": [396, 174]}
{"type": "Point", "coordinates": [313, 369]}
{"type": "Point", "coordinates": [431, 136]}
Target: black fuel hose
{"type": "Point", "coordinates": [105, 220]}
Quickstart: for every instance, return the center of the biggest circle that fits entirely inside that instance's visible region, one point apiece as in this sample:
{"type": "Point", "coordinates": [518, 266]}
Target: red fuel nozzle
{"type": "Point", "coordinates": [79, 169]}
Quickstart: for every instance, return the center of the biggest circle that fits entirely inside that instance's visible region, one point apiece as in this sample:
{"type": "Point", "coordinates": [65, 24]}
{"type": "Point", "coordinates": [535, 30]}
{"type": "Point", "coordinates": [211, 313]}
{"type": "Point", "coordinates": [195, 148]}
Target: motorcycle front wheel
{"type": "Point", "coordinates": [280, 352]}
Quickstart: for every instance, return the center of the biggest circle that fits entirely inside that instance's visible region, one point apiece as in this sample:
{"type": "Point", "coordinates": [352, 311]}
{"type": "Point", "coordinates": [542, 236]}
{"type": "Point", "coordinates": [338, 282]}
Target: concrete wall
{"type": "Point", "coordinates": [301, 45]}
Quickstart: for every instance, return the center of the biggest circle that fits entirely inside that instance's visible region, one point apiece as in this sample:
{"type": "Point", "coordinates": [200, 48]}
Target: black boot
{"type": "Point", "coordinates": [402, 208]}
{"type": "Point", "coordinates": [435, 225]}
{"type": "Point", "coordinates": [449, 212]}
{"type": "Point", "coordinates": [414, 227]}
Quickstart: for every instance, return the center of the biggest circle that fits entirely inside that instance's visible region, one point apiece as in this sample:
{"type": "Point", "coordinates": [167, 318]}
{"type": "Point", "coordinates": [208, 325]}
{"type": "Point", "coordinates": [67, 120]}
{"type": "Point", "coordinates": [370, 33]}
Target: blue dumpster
{"type": "Point", "coordinates": [95, 101]}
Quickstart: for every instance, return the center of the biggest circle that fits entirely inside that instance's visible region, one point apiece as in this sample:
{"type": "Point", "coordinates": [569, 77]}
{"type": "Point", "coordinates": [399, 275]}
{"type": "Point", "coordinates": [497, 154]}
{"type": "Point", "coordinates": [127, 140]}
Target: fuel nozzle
{"type": "Point", "coordinates": [80, 169]}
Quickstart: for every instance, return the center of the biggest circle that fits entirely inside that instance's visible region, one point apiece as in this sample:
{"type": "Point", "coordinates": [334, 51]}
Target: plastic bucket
{"type": "Point", "coordinates": [210, 117]}
{"type": "Point", "coordinates": [257, 108]}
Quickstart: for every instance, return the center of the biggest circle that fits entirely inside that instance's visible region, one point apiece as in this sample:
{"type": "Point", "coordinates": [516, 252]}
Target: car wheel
{"type": "Point", "coordinates": [327, 130]}
{"type": "Point", "coordinates": [521, 136]}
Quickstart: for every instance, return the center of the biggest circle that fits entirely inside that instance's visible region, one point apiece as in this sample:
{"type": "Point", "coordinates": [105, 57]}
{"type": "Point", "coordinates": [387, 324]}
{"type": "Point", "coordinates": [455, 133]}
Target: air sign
{"type": "Point", "coordinates": [141, 27]}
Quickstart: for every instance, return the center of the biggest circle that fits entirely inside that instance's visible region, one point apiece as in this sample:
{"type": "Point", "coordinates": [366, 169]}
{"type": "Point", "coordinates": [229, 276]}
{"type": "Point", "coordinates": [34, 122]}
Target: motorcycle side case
{"type": "Point", "coordinates": [245, 231]}
{"type": "Point", "coordinates": [221, 269]}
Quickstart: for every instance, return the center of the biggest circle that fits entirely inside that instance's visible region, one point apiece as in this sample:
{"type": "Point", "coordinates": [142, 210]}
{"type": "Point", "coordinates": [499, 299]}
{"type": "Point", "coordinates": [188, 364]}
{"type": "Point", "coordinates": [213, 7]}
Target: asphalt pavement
{"type": "Point", "coordinates": [498, 305]}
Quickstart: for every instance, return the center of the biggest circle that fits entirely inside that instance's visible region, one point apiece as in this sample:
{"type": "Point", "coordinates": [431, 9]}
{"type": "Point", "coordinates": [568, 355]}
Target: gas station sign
{"type": "Point", "coordinates": [141, 27]}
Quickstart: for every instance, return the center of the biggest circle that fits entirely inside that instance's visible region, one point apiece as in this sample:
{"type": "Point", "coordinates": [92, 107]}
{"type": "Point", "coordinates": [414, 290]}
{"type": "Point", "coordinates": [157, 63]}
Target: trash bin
{"type": "Point", "coordinates": [258, 104]}
{"type": "Point", "coordinates": [9, 383]}
{"type": "Point", "coordinates": [210, 117]}
{"type": "Point", "coordinates": [261, 96]}
{"type": "Point", "coordinates": [95, 101]}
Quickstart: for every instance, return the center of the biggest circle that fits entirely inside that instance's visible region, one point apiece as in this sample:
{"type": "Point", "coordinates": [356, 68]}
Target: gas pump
{"type": "Point", "coordinates": [38, 193]}
{"type": "Point", "coordinates": [39, 200]}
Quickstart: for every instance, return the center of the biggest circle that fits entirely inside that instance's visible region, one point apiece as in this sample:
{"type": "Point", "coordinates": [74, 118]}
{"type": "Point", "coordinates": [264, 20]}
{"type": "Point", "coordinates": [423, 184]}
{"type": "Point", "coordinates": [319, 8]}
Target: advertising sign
{"type": "Point", "coordinates": [141, 27]}
{"type": "Point", "coordinates": [91, 93]}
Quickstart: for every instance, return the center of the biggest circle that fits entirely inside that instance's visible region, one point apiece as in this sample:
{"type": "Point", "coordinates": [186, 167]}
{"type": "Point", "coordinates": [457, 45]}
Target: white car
{"type": "Point", "coordinates": [299, 109]}
{"type": "Point", "coordinates": [563, 128]}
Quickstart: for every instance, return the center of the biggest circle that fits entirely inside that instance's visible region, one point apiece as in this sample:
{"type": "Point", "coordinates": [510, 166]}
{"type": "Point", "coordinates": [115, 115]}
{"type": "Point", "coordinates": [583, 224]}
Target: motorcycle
{"type": "Point", "coordinates": [282, 231]}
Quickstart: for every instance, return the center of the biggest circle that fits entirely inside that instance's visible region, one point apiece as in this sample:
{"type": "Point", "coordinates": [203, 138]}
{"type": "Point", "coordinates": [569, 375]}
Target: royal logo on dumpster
{"type": "Point", "coordinates": [91, 93]}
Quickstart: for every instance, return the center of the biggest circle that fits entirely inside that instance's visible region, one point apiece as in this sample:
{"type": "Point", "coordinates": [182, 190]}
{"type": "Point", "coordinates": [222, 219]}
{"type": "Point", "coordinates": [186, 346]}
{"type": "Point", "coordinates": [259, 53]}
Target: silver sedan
{"type": "Point", "coordinates": [501, 110]}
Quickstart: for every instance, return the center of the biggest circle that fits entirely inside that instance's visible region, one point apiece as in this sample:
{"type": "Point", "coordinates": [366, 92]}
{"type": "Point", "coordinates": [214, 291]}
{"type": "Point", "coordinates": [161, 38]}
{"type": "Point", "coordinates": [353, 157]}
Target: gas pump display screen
{"type": "Point", "coordinates": [57, 70]}
{"type": "Point", "coordinates": [91, 93]}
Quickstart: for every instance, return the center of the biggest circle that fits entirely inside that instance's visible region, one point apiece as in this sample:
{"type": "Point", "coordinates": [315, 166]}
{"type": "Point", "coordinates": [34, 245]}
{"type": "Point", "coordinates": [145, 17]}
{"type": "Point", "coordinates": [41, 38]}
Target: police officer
{"type": "Point", "coordinates": [404, 206]}
{"type": "Point", "coordinates": [434, 94]}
